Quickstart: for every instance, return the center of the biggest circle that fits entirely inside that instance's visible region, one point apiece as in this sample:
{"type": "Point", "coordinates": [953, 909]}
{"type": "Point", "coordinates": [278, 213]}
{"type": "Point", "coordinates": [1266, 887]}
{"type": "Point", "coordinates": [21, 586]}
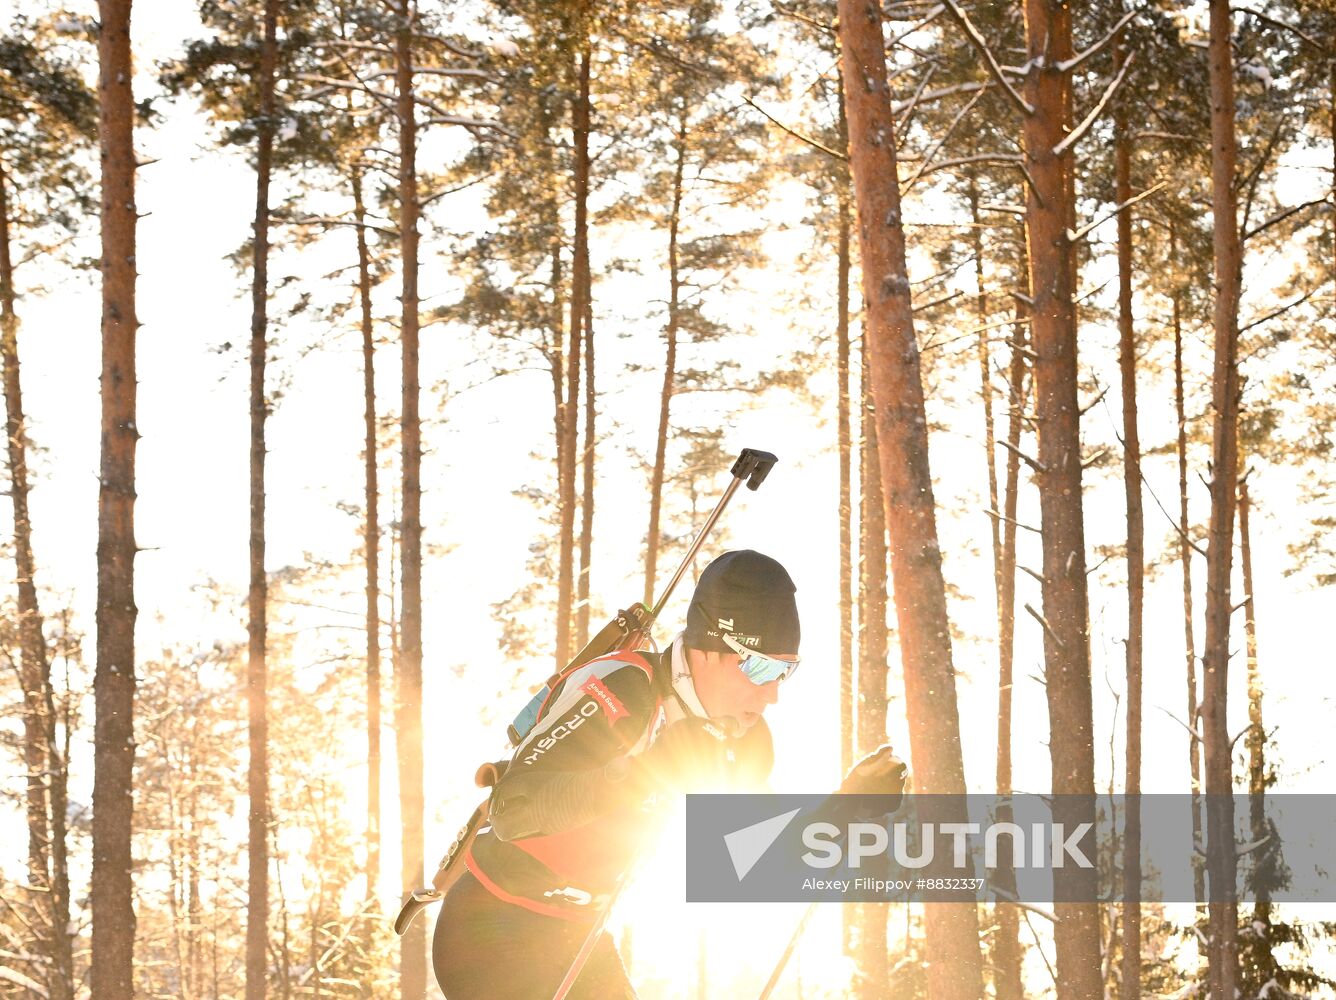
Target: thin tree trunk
{"type": "Point", "coordinates": [954, 965]}
{"type": "Point", "coordinates": [1220, 859]}
{"type": "Point", "coordinates": [257, 774]}
{"type": "Point", "coordinates": [587, 503]}
{"type": "Point", "coordinates": [1006, 946]}
{"type": "Point", "coordinates": [408, 709]}
{"type": "Point", "coordinates": [1049, 213]}
{"type": "Point", "coordinates": [371, 542]}
{"type": "Point", "coordinates": [1262, 950]}
{"type": "Point", "coordinates": [571, 417]}
{"type": "Point", "coordinates": [34, 671]}
{"type": "Point", "coordinates": [872, 665]}
{"type": "Point", "coordinates": [844, 441]}
{"type": "Point", "coordinates": [557, 368]}
{"type": "Point", "coordinates": [114, 680]}
{"type": "Point", "coordinates": [669, 365]}
{"type": "Point", "coordinates": [986, 385]}
{"type": "Point", "coordinates": [1185, 559]}
{"type": "Point", "coordinates": [1136, 569]}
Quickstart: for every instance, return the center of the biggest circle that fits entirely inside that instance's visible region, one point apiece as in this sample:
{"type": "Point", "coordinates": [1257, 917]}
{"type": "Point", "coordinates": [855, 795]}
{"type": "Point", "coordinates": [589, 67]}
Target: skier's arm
{"type": "Point", "coordinates": [575, 769]}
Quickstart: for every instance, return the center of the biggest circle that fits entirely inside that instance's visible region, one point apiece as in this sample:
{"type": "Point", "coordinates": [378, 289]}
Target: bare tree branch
{"type": "Point", "coordinates": [941, 140]}
{"type": "Point", "coordinates": [1277, 219]}
{"type": "Point", "coordinates": [793, 132]}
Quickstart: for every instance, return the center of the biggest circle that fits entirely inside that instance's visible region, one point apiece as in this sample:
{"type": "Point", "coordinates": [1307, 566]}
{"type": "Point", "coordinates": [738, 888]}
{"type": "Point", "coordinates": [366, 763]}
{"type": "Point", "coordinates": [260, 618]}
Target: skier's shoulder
{"type": "Point", "coordinates": [626, 681]}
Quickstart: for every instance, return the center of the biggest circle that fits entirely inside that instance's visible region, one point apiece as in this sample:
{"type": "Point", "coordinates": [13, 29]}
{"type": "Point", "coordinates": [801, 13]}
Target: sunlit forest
{"type": "Point", "coordinates": [363, 358]}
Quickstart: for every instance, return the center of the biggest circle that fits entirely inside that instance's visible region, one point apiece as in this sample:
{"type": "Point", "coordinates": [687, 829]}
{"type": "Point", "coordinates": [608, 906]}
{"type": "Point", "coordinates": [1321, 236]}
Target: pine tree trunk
{"type": "Point", "coordinates": [844, 442]}
{"type": "Point", "coordinates": [587, 503]}
{"type": "Point", "coordinates": [557, 368]}
{"type": "Point", "coordinates": [1050, 213]}
{"type": "Point", "coordinates": [669, 366]}
{"type": "Point", "coordinates": [954, 965]}
{"type": "Point", "coordinates": [371, 542]}
{"type": "Point", "coordinates": [257, 698]}
{"type": "Point", "coordinates": [34, 672]}
{"type": "Point", "coordinates": [1185, 560]}
{"type": "Point", "coordinates": [986, 385]}
{"type": "Point", "coordinates": [114, 680]}
{"type": "Point", "coordinates": [1262, 955]}
{"type": "Point", "coordinates": [571, 415]}
{"type": "Point", "coordinates": [1220, 859]}
{"type": "Point", "coordinates": [408, 708]}
{"type": "Point", "coordinates": [1007, 947]}
{"type": "Point", "coordinates": [872, 665]}
{"type": "Point", "coordinates": [1136, 569]}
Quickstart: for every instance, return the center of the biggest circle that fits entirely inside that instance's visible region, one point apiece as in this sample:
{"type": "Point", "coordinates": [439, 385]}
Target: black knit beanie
{"type": "Point", "coordinates": [748, 596]}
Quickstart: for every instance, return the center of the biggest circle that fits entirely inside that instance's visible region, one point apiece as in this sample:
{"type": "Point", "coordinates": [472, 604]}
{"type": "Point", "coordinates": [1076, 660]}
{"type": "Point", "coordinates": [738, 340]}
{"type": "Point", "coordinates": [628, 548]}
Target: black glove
{"type": "Point", "coordinates": [879, 773]}
{"type": "Point", "coordinates": [690, 753]}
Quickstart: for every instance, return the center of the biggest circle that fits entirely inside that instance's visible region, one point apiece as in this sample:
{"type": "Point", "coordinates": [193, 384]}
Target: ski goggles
{"type": "Point", "coordinates": [757, 667]}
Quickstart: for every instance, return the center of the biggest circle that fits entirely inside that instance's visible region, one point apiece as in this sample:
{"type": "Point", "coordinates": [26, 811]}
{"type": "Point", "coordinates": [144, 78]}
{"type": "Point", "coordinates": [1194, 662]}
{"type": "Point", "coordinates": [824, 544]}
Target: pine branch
{"type": "Point", "coordinates": [1277, 219]}
{"type": "Point", "coordinates": [1033, 463]}
{"type": "Point", "coordinates": [1089, 227]}
{"type": "Point", "coordinates": [941, 140]}
{"type": "Point", "coordinates": [977, 40]}
{"type": "Point", "coordinates": [1044, 622]}
{"type": "Point", "coordinates": [1094, 50]}
{"type": "Point", "coordinates": [1281, 310]}
{"type": "Point", "coordinates": [793, 132]}
{"type": "Point", "coordinates": [1075, 135]}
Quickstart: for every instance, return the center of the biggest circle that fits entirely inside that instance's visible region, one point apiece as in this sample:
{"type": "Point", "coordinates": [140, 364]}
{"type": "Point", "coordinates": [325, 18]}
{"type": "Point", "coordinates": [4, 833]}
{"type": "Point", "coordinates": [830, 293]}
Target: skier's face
{"type": "Point", "coordinates": [724, 689]}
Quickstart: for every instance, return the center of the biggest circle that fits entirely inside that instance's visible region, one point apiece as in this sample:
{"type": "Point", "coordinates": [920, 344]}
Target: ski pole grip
{"type": "Point", "coordinates": [753, 466]}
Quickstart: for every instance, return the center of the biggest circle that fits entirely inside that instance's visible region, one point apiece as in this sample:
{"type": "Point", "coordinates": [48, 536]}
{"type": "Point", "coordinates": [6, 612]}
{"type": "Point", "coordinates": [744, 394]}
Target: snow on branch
{"type": "Point", "coordinates": [1075, 135]}
{"type": "Point", "coordinates": [1070, 64]}
{"type": "Point", "coordinates": [1074, 235]}
{"type": "Point", "coordinates": [990, 61]}
{"type": "Point", "coordinates": [918, 25]}
{"type": "Point", "coordinates": [937, 95]}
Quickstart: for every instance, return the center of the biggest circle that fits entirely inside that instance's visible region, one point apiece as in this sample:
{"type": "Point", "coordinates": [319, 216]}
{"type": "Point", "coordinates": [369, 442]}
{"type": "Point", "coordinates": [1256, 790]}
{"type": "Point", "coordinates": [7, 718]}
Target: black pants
{"type": "Point", "coordinates": [486, 949]}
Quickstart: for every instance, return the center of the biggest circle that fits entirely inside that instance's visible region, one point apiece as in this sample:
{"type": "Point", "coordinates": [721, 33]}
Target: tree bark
{"type": "Point", "coordinates": [571, 417]}
{"type": "Point", "coordinates": [1136, 568]}
{"type": "Point", "coordinates": [669, 365]}
{"type": "Point", "coordinates": [1220, 859]}
{"type": "Point", "coordinates": [1185, 560]}
{"type": "Point", "coordinates": [371, 542]}
{"type": "Point", "coordinates": [872, 660]}
{"type": "Point", "coordinates": [1050, 212]}
{"type": "Point", "coordinates": [408, 708]}
{"type": "Point", "coordinates": [257, 703]}
{"type": "Point", "coordinates": [112, 975]}
{"type": "Point", "coordinates": [954, 965]}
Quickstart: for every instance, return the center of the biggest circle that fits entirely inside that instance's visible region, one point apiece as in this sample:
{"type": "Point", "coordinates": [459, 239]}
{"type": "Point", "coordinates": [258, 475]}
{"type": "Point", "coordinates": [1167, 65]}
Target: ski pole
{"type": "Point", "coordinates": [773, 981]}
